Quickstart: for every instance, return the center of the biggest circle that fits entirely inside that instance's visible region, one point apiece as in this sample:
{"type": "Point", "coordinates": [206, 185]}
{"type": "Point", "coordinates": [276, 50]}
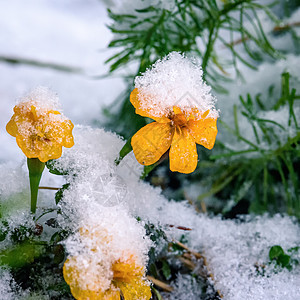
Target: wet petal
{"type": "Point", "coordinates": [204, 131]}
{"type": "Point", "coordinates": [183, 152]}
{"type": "Point", "coordinates": [151, 142]}
{"type": "Point", "coordinates": [27, 146]}
{"type": "Point", "coordinates": [50, 150]}
{"type": "Point", "coordinates": [134, 99]}
{"type": "Point", "coordinates": [135, 290]}
{"type": "Point", "coordinates": [11, 126]}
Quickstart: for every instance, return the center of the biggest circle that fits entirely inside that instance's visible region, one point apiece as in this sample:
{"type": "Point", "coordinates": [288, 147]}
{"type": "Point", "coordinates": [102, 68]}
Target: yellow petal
{"type": "Point", "coordinates": [11, 126]}
{"type": "Point", "coordinates": [50, 150]}
{"type": "Point", "coordinates": [177, 110]}
{"type": "Point", "coordinates": [204, 131]}
{"type": "Point", "coordinates": [68, 140]}
{"type": "Point", "coordinates": [94, 295]}
{"type": "Point", "coordinates": [151, 142]}
{"type": "Point", "coordinates": [27, 146]}
{"type": "Point", "coordinates": [134, 99]}
{"type": "Point", "coordinates": [71, 275]}
{"type": "Point", "coordinates": [183, 152]}
{"type": "Point", "coordinates": [135, 290]}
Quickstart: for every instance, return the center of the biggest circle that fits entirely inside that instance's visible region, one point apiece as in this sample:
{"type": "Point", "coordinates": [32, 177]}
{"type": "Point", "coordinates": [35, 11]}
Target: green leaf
{"type": "Point", "coordinates": [283, 260]}
{"type": "Point", "coordinates": [59, 236]}
{"type": "Point", "coordinates": [20, 255]}
{"type": "Point", "coordinates": [60, 192]}
{"type": "Point", "coordinates": [275, 252]}
{"type": "Point", "coordinates": [293, 250]}
{"type": "Point", "coordinates": [148, 169]}
{"type": "Point", "coordinates": [127, 148]}
{"type": "Point", "coordinates": [156, 292]}
{"type": "Point", "coordinates": [50, 164]}
{"type": "Point", "coordinates": [4, 230]}
{"type": "Point", "coordinates": [166, 270]}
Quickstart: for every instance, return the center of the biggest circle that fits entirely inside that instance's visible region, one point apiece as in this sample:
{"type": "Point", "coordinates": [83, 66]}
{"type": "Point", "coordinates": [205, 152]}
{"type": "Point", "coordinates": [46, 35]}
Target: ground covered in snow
{"type": "Point", "coordinates": [236, 250]}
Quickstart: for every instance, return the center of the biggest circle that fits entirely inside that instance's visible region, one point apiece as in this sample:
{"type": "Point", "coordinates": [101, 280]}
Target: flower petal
{"type": "Point", "coordinates": [135, 290]}
{"type": "Point", "coordinates": [204, 131]}
{"type": "Point", "coordinates": [94, 295]}
{"type": "Point", "coordinates": [11, 126]}
{"type": "Point", "coordinates": [134, 99]}
{"type": "Point", "coordinates": [71, 274]}
{"type": "Point", "coordinates": [151, 142]}
{"type": "Point", "coordinates": [183, 152]}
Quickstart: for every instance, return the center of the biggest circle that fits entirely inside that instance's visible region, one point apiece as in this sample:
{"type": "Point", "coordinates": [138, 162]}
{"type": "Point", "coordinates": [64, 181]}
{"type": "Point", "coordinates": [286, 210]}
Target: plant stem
{"type": "Point", "coordinates": [36, 168]}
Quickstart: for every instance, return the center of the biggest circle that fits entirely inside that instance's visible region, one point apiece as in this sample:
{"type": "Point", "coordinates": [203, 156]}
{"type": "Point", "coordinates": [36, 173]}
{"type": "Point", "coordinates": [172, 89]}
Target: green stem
{"type": "Point", "coordinates": [36, 168]}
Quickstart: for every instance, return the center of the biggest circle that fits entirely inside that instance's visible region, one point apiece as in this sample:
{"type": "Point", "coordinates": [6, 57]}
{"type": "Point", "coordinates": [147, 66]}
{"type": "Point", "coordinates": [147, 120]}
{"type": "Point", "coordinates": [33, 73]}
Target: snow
{"type": "Point", "coordinates": [105, 196]}
{"type": "Point", "coordinates": [174, 81]}
{"type": "Point", "coordinates": [6, 285]}
{"type": "Point", "coordinates": [233, 248]}
{"type": "Point", "coordinates": [185, 287]}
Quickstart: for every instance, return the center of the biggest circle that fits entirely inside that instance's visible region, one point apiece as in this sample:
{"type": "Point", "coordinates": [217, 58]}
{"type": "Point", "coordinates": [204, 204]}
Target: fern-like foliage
{"type": "Point", "coordinates": [195, 26]}
{"type": "Point", "coordinates": [223, 34]}
{"type": "Point", "coordinates": [266, 172]}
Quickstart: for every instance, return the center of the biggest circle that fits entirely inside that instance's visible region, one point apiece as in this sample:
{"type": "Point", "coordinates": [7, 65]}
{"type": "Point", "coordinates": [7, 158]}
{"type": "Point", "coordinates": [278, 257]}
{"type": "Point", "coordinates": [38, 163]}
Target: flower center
{"type": "Point", "coordinates": [179, 120]}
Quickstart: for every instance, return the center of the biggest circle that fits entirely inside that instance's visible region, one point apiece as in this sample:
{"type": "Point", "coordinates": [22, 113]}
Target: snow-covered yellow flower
{"type": "Point", "coordinates": [40, 131]}
{"type": "Point", "coordinates": [178, 130]}
{"type": "Point", "coordinates": [90, 283]}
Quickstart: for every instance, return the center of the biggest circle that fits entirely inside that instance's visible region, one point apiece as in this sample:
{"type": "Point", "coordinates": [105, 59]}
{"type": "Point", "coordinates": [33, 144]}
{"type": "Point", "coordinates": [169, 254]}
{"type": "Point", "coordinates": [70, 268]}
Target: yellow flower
{"type": "Point", "coordinates": [86, 284]}
{"type": "Point", "coordinates": [40, 132]}
{"type": "Point", "coordinates": [178, 130]}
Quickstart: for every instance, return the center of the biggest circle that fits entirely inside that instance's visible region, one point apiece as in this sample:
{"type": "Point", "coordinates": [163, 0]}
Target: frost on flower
{"type": "Point", "coordinates": [102, 267]}
{"type": "Point", "coordinates": [40, 129]}
{"type": "Point", "coordinates": [175, 81]}
{"type": "Point", "coordinates": [174, 95]}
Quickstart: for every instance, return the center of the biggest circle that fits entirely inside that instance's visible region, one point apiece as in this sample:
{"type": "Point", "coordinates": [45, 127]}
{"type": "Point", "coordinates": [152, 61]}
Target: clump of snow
{"type": "Point", "coordinates": [101, 242]}
{"type": "Point", "coordinates": [103, 230]}
{"type": "Point", "coordinates": [176, 80]}
{"type": "Point", "coordinates": [41, 97]}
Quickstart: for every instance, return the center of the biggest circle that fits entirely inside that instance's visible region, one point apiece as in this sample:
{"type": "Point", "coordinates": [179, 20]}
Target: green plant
{"type": "Point", "coordinates": [194, 27]}
{"type": "Point", "coordinates": [266, 170]}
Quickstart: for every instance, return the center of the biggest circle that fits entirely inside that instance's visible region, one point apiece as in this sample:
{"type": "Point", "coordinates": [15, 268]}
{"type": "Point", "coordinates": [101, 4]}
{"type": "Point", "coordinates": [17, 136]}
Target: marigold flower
{"type": "Point", "coordinates": [89, 283]}
{"type": "Point", "coordinates": [99, 270]}
{"type": "Point", "coordinates": [40, 131]}
{"type": "Point", "coordinates": [178, 130]}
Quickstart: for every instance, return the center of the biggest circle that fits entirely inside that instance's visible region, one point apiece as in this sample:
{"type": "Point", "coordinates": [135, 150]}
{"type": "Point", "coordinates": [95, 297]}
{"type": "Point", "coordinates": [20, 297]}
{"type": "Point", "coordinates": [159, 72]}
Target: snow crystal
{"type": "Point", "coordinates": [41, 97]}
{"type": "Point", "coordinates": [7, 285]}
{"type": "Point", "coordinates": [175, 81]}
{"type": "Point", "coordinates": [185, 287]}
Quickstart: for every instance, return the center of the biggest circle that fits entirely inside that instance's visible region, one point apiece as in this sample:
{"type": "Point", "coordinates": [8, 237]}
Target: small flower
{"type": "Point", "coordinates": [178, 130]}
{"type": "Point", "coordinates": [99, 270]}
{"type": "Point", "coordinates": [88, 280]}
{"type": "Point", "coordinates": [40, 131]}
